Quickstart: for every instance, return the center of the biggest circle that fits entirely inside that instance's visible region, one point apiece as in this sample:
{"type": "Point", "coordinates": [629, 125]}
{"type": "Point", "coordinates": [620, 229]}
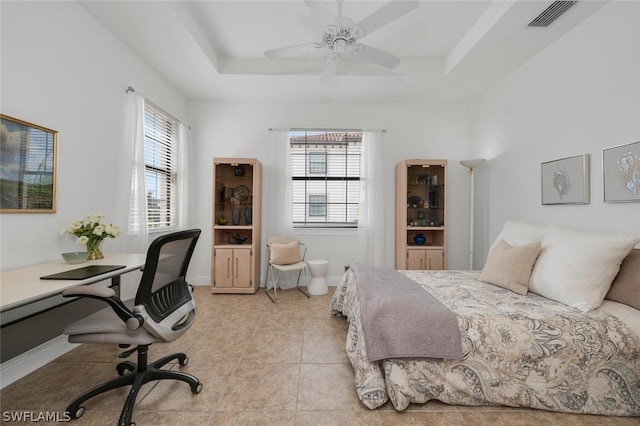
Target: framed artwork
{"type": "Point", "coordinates": [566, 181]}
{"type": "Point", "coordinates": [621, 173]}
{"type": "Point", "coordinates": [28, 157]}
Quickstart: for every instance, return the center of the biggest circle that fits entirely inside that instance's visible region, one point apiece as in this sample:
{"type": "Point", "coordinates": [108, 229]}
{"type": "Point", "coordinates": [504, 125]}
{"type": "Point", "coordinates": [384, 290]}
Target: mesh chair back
{"type": "Point", "coordinates": [163, 292]}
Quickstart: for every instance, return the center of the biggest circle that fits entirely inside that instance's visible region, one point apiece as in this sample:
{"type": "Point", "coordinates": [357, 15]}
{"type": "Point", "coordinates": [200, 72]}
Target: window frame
{"type": "Point", "coordinates": [342, 172]}
{"type": "Point", "coordinates": [161, 139]}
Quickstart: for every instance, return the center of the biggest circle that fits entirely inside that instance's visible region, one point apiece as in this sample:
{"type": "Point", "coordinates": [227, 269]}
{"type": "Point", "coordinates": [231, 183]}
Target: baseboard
{"type": "Point", "coordinates": [205, 280]}
{"type": "Point", "coordinates": [25, 363]}
{"type": "Point", "coordinates": [200, 280]}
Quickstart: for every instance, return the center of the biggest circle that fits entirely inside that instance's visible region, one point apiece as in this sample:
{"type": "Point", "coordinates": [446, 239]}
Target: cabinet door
{"type": "Point", "coordinates": [427, 259]}
{"type": "Point", "coordinates": [416, 260]}
{"type": "Point", "coordinates": [242, 268]}
{"type": "Point", "coordinates": [434, 259]}
{"type": "Point", "coordinates": [223, 259]}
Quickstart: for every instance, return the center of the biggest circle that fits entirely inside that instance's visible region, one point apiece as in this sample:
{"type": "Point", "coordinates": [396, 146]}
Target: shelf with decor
{"type": "Point", "coordinates": [236, 225]}
{"type": "Point", "coordinates": [421, 210]}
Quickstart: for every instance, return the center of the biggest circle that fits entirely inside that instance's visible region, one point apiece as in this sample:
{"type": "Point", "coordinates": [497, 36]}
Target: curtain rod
{"type": "Point", "coordinates": [271, 129]}
{"type": "Point", "coordinates": [132, 90]}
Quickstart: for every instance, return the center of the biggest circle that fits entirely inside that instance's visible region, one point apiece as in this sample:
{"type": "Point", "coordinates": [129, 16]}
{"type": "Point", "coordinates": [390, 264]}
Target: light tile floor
{"type": "Point", "coordinates": [261, 364]}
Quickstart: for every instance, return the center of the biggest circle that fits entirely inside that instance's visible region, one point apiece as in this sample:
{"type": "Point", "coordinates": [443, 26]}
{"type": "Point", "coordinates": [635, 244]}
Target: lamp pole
{"type": "Point", "coordinates": [472, 165]}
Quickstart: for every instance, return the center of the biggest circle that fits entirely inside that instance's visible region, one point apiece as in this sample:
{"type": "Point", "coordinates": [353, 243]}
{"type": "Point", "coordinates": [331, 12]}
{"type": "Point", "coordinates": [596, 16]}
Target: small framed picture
{"type": "Point", "coordinates": [566, 181]}
{"type": "Point", "coordinates": [621, 173]}
{"type": "Point", "coordinates": [28, 167]}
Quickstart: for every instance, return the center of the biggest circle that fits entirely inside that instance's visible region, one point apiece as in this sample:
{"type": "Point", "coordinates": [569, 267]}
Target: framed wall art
{"type": "Point", "coordinates": [621, 173]}
{"type": "Point", "coordinates": [566, 181]}
{"type": "Point", "coordinates": [28, 157]}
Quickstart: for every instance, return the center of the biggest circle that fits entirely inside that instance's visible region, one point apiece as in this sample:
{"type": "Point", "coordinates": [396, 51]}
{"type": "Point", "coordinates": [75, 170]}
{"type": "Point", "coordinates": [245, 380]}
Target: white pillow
{"type": "Point", "coordinates": [520, 233]}
{"type": "Point", "coordinates": [577, 267]}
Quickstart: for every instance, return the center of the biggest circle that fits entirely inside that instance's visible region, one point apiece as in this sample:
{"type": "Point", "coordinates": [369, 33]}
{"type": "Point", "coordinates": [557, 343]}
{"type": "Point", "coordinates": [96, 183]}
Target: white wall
{"type": "Point", "coordinates": [580, 95]}
{"type": "Point", "coordinates": [76, 84]}
{"type": "Point", "coordinates": [62, 70]}
{"type": "Point", "coordinates": [414, 130]}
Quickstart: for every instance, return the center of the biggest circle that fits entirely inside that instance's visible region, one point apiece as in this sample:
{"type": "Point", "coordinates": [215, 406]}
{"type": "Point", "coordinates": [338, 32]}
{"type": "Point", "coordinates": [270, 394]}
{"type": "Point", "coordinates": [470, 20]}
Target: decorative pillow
{"type": "Point", "coordinates": [285, 253]}
{"type": "Point", "coordinates": [510, 267]}
{"type": "Point", "coordinates": [577, 267]}
{"type": "Point", "coordinates": [520, 233]}
{"type": "Point", "coordinates": [625, 288]}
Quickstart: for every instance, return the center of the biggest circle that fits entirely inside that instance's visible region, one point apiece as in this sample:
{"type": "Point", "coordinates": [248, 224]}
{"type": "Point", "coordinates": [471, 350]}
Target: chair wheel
{"type": "Point", "coordinates": [184, 362]}
{"type": "Point", "coordinates": [197, 389]}
{"type": "Point", "coordinates": [79, 412]}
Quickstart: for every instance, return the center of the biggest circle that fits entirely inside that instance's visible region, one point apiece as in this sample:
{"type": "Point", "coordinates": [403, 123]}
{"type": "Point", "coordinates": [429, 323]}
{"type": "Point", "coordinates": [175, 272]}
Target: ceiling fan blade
{"type": "Point", "coordinates": [329, 69]}
{"type": "Point", "coordinates": [322, 12]}
{"type": "Point", "coordinates": [290, 51]}
{"type": "Point", "coordinates": [387, 13]}
{"type": "Point", "coordinates": [363, 52]}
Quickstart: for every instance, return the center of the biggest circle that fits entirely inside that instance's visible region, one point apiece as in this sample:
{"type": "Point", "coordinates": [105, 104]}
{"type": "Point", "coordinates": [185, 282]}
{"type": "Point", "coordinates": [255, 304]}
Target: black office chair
{"type": "Point", "coordinates": [162, 311]}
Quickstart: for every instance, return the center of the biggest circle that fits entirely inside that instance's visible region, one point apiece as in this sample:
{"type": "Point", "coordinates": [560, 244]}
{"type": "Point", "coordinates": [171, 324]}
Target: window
{"type": "Point", "coordinates": [325, 174]}
{"type": "Point", "coordinates": [160, 148]}
{"type": "Point", "coordinates": [318, 205]}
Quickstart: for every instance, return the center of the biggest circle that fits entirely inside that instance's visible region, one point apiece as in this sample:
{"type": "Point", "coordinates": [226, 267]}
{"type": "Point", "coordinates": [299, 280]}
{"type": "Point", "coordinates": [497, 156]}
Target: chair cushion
{"type": "Point", "coordinates": [284, 253]}
{"type": "Point", "coordinates": [105, 326]}
{"type": "Point", "coordinates": [290, 267]}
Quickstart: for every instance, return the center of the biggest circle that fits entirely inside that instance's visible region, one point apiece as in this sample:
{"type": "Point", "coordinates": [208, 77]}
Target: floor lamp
{"type": "Point", "coordinates": [472, 165]}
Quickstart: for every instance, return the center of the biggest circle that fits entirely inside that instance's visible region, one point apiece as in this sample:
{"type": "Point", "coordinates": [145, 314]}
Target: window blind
{"type": "Point", "coordinates": [325, 173]}
{"type": "Point", "coordinates": [160, 151]}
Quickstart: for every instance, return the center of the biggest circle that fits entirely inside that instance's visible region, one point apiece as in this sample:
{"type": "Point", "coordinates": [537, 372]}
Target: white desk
{"type": "Point", "coordinates": [23, 293]}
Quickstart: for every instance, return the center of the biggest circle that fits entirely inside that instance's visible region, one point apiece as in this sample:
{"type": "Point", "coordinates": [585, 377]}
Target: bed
{"type": "Point", "coordinates": [518, 348]}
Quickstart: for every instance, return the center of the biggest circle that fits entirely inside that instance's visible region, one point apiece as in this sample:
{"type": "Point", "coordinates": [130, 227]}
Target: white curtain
{"type": "Point", "coordinates": [280, 203]}
{"type": "Point", "coordinates": [371, 218]}
{"type": "Point", "coordinates": [183, 175]}
{"type": "Point", "coordinates": [136, 233]}
{"type": "Point", "coordinates": [278, 221]}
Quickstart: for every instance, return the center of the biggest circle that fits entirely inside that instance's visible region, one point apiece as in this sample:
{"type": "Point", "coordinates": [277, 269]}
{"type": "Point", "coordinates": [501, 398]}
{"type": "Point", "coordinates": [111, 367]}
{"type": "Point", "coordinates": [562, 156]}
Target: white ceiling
{"type": "Point", "coordinates": [215, 49]}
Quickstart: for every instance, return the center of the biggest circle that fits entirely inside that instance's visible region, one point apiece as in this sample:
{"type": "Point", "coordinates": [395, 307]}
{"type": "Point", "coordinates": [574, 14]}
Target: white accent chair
{"type": "Point", "coordinates": [285, 254]}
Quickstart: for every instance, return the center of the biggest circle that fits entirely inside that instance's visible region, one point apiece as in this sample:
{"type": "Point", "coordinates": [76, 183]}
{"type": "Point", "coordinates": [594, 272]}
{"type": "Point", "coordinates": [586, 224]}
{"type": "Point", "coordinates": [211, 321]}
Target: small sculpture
{"type": "Point", "coordinates": [238, 239]}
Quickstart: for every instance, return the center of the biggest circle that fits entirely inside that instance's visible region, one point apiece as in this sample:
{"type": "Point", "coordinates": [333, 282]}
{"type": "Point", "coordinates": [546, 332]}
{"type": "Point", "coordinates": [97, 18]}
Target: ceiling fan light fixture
{"type": "Point", "coordinates": [340, 46]}
{"type": "Point", "coordinates": [357, 32]}
{"type": "Point", "coordinates": [356, 49]}
{"type": "Point", "coordinates": [341, 35]}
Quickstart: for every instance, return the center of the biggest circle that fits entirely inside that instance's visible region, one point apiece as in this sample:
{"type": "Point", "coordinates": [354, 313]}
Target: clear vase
{"type": "Point", "coordinates": [94, 247]}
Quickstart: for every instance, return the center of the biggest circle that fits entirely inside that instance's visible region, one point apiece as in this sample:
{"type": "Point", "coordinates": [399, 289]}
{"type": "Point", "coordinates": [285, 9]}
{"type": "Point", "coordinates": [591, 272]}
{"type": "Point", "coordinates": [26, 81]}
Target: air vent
{"type": "Point", "coordinates": [551, 13]}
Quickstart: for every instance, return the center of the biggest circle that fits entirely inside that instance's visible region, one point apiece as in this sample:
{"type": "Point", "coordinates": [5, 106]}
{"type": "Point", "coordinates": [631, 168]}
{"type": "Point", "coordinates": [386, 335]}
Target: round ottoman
{"type": "Point", "coordinates": [318, 270]}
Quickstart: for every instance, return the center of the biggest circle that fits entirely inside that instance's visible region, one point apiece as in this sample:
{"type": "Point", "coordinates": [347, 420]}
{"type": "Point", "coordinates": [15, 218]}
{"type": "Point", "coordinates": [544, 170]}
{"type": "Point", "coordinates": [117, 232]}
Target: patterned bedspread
{"type": "Point", "coordinates": [521, 351]}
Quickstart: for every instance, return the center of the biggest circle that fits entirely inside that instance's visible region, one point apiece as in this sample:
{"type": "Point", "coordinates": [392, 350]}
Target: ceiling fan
{"type": "Point", "coordinates": [341, 36]}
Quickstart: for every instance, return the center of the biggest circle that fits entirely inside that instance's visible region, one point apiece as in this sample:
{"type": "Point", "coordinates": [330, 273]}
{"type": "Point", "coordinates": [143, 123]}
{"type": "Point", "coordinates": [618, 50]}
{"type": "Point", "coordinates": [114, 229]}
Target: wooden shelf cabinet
{"type": "Point", "coordinates": [236, 225]}
{"type": "Point", "coordinates": [231, 271]}
{"type": "Point", "coordinates": [421, 212]}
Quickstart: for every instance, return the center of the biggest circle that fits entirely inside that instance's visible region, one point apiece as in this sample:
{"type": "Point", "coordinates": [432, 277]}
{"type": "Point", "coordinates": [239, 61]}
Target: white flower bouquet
{"type": "Point", "coordinates": [91, 231]}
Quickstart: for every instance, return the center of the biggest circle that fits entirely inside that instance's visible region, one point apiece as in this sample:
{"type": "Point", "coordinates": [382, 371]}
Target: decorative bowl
{"type": "Point", "coordinates": [75, 257]}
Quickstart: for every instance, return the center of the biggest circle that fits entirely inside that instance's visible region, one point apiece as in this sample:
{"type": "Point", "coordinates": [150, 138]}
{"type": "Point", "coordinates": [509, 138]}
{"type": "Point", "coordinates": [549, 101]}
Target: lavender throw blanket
{"type": "Point", "coordinates": [402, 320]}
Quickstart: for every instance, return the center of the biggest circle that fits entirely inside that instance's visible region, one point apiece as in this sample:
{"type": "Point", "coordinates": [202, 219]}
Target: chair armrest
{"type": "Point", "coordinates": [96, 291]}
{"type": "Point", "coordinates": [133, 320]}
